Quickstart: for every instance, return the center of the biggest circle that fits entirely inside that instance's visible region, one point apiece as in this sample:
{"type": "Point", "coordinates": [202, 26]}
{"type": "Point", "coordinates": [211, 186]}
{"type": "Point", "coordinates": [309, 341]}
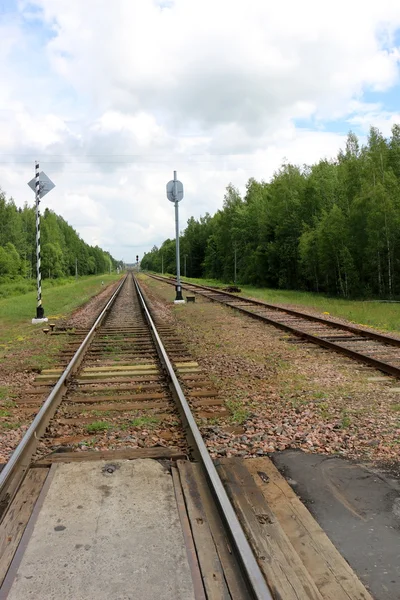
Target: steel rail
{"type": "Point", "coordinates": [380, 337]}
{"type": "Point", "coordinates": [314, 339]}
{"type": "Point", "coordinates": [12, 474]}
{"type": "Point", "coordinates": [254, 577]}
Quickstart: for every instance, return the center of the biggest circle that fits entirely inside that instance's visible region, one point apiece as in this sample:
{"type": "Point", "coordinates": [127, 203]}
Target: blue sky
{"type": "Point", "coordinates": [111, 105]}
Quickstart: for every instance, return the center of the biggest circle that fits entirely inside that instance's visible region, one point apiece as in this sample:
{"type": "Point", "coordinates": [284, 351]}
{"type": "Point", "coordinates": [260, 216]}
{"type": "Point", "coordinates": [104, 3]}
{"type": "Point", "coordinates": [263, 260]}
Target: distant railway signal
{"type": "Point", "coordinates": [175, 195]}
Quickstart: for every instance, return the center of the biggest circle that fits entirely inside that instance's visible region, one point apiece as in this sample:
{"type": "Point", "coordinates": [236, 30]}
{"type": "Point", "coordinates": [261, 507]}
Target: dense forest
{"type": "Point", "coordinates": [332, 227]}
{"type": "Point", "coordinates": [61, 246]}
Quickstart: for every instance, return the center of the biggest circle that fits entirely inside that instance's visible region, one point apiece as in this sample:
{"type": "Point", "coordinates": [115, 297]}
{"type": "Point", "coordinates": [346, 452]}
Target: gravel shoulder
{"type": "Point", "coordinates": [284, 394]}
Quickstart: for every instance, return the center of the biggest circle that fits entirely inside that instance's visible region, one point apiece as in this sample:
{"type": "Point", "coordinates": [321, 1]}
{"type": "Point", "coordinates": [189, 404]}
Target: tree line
{"type": "Point", "coordinates": [331, 227]}
{"type": "Point", "coordinates": [61, 247]}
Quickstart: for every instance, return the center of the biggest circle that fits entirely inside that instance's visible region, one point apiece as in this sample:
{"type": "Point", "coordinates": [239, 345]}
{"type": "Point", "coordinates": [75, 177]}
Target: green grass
{"type": "Point", "coordinates": [98, 426]}
{"type": "Point", "coordinates": [9, 425]}
{"type": "Point", "coordinates": [145, 422]}
{"type": "Point", "coordinates": [382, 315]}
{"type": "Point", "coordinates": [4, 392]}
{"type": "Point", "coordinates": [346, 420]}
{"type": "Point", "coordinates": [22, 286]}
{"type": "Point", "coordinates": [323, 408]}
{"type": "Point", "coordinates": [239, 413]}
{"type": "Point", "coordinates": [16, 313]}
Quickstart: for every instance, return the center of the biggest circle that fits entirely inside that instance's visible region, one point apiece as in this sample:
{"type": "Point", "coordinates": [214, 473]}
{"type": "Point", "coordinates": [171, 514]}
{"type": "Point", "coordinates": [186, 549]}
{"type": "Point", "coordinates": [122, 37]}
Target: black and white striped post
{"type": "Point", "coordinates": [41, 185]}
{"type": "Point", "coordinates": [39, 306]}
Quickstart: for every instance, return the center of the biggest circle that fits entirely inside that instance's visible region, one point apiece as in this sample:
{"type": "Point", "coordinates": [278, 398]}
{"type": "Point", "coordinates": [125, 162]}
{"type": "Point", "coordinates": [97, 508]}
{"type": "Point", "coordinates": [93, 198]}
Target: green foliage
{"type": "Point", "coordinates": [10, 262]}
{"type": "Point", "coordinates": [346, 420]}
{"type": "Point", "coordinates": [146, 421]}
{"type": "Point", "coordinates": [9, 425]}
{"type": "Point", "coordinates": [333, 227]}
{"type": "Point", "coordinates": [61, 246]}
{"type": "Point", "coordinates": [98, 426]}
{"type": "Point", "coordinates": [239, 412]}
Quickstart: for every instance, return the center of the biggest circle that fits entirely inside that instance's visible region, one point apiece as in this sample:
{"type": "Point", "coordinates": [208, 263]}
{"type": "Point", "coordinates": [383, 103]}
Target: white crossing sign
{"type": "Point", "coordinates": [46, 185]}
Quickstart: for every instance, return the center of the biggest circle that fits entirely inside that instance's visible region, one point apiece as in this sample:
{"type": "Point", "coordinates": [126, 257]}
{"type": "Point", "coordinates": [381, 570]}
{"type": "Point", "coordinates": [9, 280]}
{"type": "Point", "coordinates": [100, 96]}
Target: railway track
{"type": "Point", "coordinates": [121, 367]}
{"type": "Point", "coordinates": [130, 369]}
{"type": "Point", "coordinates": [374, 349]}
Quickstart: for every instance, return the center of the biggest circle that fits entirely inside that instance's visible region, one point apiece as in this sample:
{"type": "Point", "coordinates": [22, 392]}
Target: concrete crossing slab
{"type": "Point", "coordinates": [106, 532]}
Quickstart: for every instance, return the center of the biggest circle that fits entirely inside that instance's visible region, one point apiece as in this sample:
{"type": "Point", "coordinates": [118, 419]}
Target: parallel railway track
{"type": "Point", "coordinates": [375, 349]}
{"type": "Point", "coordinates": [118, 364]}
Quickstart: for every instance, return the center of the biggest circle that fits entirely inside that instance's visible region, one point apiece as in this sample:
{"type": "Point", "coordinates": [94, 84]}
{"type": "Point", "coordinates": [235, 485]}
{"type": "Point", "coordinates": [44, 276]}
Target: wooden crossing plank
{"type": "Point", "coordinates": [333, 576]}
{"type": "Point", "coordinates": [109, 455]}
{"type": "Point", "coordinates": [210, 565]}
{"type": "Point", "coordinates": [192, 557]}
{"type": "Point", "coordinates": [283, 569]}
{"type": "Point", "coordinates": [199, 490]}
{"type": "Point", "coordinates": [13, 525]}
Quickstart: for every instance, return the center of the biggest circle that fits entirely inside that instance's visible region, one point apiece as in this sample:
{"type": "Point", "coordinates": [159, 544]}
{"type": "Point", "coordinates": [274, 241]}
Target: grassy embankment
{"type": "Point", "coordinates": [24, 343]}
{"type": "Point", "coordinates": [382, 315]}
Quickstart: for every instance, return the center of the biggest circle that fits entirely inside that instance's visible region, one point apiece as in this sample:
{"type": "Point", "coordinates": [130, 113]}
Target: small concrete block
{"type": "Point", "coordinates": [39, 321]}
{"type": "Point", "coordinates": [179, 302]}
{"type": "Point", "coordinates": [378, 378]}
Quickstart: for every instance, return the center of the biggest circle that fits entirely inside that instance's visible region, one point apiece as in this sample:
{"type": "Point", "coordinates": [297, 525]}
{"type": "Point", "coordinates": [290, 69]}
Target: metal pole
{"type": "Point", "coordinates": [178, 264]}
{"type": "Point", "coordinates": [39, 307]}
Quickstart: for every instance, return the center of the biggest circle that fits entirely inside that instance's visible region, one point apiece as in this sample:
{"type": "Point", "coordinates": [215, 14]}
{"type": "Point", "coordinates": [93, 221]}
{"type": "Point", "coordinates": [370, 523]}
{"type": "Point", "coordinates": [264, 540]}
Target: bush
{"type": "Point", "coordinates": [15, 288]}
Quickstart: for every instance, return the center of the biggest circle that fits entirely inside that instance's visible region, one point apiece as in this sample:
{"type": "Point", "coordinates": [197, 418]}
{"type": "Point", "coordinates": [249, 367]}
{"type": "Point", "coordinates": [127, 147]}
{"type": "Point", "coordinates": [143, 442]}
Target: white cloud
{"type": "Point", "coordinates": [119, 95]}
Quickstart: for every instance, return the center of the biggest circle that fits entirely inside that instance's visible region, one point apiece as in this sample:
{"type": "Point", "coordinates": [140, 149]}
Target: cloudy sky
{"type": "Point", "coordinates": [111, 97]}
